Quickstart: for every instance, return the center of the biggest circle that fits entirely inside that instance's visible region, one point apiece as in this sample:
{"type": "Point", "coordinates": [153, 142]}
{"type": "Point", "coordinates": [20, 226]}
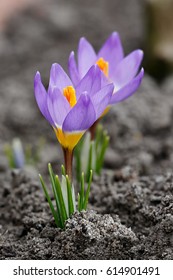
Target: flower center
{"type": "Point", "coordinates": [103, 65]}
{"type": "Point", "coordinates": [68, 140]}
{"type": "Point", "coordinates": [70, 94]}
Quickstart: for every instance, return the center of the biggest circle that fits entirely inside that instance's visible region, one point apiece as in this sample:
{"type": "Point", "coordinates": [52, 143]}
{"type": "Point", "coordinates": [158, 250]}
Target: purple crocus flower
{"type": "Point", "coordinates": [122, 71]}
{"type": "Point", "coordinates": [70, 109]}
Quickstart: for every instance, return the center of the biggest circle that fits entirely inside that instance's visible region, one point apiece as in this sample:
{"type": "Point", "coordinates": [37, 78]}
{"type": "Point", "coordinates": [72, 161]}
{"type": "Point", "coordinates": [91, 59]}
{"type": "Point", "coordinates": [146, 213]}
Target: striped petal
{"type": "Point", "coordinates": [41, 98]}
{"type": "Point", "coordinates": [81, 116]}
{"type": "Point", "coordinates": [128, 89]}
{"type": "Point", "coordinates": [102, 99]}
{"type": "Point", "coordinates": [58, 77]}
{"type": "Point", "coordinates": [91, 82]}
{"type": "Point", "coordinates": [58, 106]}
{"type": "Point", "coordinates": [112, 52]}
{"type": "Point", "coordinates": [86, 57]}
{"type": "Point", "coordinates": [127, 69]}
{"type": "Point", "coordinates": [73, 71]}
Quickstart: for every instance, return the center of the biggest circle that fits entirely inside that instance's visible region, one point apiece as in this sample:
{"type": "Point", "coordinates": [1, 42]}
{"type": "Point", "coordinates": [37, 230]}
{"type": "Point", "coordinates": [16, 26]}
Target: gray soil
{"type": "Point", "coordinates": [130, 212]}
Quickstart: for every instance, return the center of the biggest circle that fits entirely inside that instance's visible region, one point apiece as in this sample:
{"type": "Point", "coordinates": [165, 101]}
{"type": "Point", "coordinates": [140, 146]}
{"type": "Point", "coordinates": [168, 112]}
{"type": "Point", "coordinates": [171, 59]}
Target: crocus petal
{"type": "Point", "coordinates": [112, 52]}
{"type": "Point", "coordinates": [91, 82]}
{"type": "Point", "coordinates": [58, 106]}
{"type": "Point", "coordinates": [58, 77]}
{"type": "Point", "coordinates": [81, 116]}
{"type": "Point", "coordinates": [41, 98]}
{"type": "Point", "coordinates": [128, 89]}
{"type": "Point", "coordinates": [86, 57]}
{"type": "Point", "coordinates": [127, 69]}
{"type": "Point", "coordinates": [73, 71]}
{"type": "Point", "coordinates": [102, 99]}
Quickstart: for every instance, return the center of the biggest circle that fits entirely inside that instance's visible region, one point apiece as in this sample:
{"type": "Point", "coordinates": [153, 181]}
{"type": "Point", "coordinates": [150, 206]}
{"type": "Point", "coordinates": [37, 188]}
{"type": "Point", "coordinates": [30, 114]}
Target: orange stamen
{"type": "Point", "coordinates": [70, 94]}
{"type": "Point", "coordinates": [103, 65]}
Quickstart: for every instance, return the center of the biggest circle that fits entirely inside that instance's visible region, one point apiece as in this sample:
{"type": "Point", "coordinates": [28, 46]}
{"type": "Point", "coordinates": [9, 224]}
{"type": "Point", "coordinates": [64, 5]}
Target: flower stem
{"type": "Point", "coordinates": [92, 130]}
{"type": "Point", "coordinates": [68, 158]}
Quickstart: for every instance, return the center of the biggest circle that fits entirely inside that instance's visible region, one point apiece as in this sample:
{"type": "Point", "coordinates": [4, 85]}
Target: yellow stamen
{"type": "Point", "coordinates": [103, 65]}
{"type": "Point", "coordinates": [70, 94]}
{"type": "Point", "coordinates": [68, 140]}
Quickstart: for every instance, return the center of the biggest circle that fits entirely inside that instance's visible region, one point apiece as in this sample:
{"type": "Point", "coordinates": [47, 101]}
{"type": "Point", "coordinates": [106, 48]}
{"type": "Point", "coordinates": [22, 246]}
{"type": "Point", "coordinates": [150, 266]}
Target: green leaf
{"type": "Point", "coordinates": [82, 194]}
{"type": "Point", "coordinates": [64, 193]}
{"type": "Point", "coordinates": [52, 179]}
{"type": "Point", "coordinates": [88, 191]}
{"type": "Point", "coordinates": [56, 187]}
{"type": "Point", "coordinates": [78, 166]}
{"type": "Point", "coordinates": [70, 198]}
{"type": "Point", "coordinates": [98, 139]}
{"type": "Point", "coordinates": [73, 196]}
{"type": "Point", "coordinates": [63, 170]}
{"type": "Point", "coordinates": [90, 161]}
{"type": "Point", "coordinates": [102, 153]}
{"type": "Point", "coordinates": [57, 220]}
{"type": "Point", "coordinates": [77, 155]}
{"type": "Point", "coordinates": [64, 196]}
{"type": "Point", "coordinates": [79, 202]}
{"type": "Point", "coordinates": [60, 198]}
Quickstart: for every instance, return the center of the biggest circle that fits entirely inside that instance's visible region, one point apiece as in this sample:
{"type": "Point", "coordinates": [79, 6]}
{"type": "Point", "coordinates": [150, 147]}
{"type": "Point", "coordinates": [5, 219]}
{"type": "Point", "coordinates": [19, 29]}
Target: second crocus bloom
{"type": "Point", "coordinates": [122, 71]}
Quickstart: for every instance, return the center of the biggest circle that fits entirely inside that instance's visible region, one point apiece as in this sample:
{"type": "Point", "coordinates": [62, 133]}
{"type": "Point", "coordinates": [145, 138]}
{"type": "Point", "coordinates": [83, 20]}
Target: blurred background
{"type": "Point", "coordinates": [35, 34]}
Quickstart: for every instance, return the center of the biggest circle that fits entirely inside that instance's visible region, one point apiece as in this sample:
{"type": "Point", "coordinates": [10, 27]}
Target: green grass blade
{"type": "Point", "coordinates": [77, 155]}
{"type": "Point", "coordinates": [102, 153]}
{"type": "Point", "coordinates": [88, 191]}
{"type": "Point", "coordinates": [63, 170]}
{"type": "Point", "coordinates": [98, 138]}
{"type": "Point", "coordinates": [78, 165]}
{"type": "Point", "coordinates": [63, 184]}
{"type": "Point", "coordinates": [57, 220]}
{"type": "Point", "coordinates": [61, 199]}
{"type": "Point", "coordinates": [82, 190]}
{"type": "Point", "coordinates": [56, 187]}
{"type": "Point", "coordinates": [70, 198]}
{"type": "Point", "coordinates": [90, 161]}
{"type": "Point", "coordinates": [51, 173]}
{"type": "Point", "coordinates": [52, 179]}
{"type": "Point", "coordinates": [73, 197]}
{"type": "Point", "coordinates": [78, 202]}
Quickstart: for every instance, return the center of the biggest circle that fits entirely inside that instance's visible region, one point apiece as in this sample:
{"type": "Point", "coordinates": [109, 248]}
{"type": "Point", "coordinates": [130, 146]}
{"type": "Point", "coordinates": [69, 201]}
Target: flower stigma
{"type": "Point", "coordinates": [103, 65]}
{"type": "Point", "coordinates": [70, 94]}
